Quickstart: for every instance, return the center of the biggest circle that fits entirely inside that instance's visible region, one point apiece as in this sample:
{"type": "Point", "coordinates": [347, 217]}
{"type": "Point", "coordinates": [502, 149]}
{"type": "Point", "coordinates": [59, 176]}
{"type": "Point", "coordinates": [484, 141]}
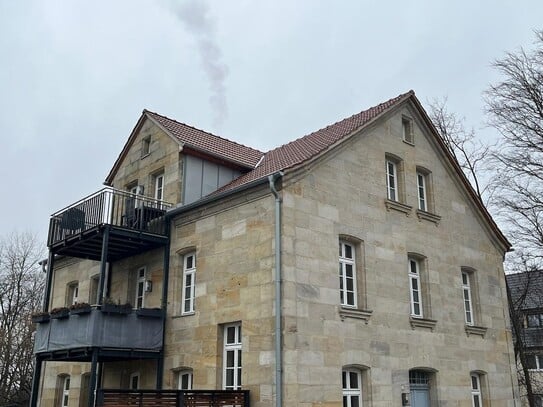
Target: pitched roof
{"type": "Point", "coordinates": [305, 148]}
{"type": "Point", "coordinates": [526, 289]}
{"type": "Point", "coordinates": [206, 142]}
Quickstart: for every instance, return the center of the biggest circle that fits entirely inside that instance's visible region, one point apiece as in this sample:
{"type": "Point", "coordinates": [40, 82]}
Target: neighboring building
{"type": "Point", "coordinates": [526, 296]}
{"type": "Point", "coordinates": [352, 266]}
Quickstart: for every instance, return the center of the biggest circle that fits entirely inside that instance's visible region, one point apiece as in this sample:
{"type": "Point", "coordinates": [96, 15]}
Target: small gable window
{"type": "Point", "coordinates": [145, 146]}
{"type": "Point", "coordinates": [407, 130]}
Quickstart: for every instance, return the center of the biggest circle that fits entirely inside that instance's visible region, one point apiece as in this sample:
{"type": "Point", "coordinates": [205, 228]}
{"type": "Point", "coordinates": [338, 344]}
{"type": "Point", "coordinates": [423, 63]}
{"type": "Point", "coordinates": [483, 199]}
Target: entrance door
{"type": "Point", "coordinates": [419, 383]}
{"type": "Point", "coordinates": [420, 397]}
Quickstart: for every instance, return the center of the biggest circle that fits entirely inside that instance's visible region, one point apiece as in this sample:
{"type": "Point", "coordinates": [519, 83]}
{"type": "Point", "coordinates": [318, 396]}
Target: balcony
{"type": "Point", "coordinates": [116, 335]}
{"type": "Point", "coordinates": [173, 398]}
{"type": "Point", "coordinates": [134, 223]}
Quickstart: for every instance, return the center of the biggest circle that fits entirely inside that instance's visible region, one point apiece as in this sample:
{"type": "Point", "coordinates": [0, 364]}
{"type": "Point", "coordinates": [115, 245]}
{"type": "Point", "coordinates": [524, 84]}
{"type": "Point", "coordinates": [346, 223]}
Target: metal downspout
{"type": "Point", "coordinates": [278, 337]}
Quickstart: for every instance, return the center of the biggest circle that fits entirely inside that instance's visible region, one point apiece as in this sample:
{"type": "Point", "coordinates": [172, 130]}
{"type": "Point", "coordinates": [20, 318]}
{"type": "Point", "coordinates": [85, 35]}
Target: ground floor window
{"type": "Point", "coordinates": [184, 380]}
{"type": "Point", "coordinates": [352, 388]}
{"type": "Point", "coordinates": [134, 381]}
{"type": "Point", "coordinates": [232, 357]}
{"type": "Point", "coordinates": [476, 399]}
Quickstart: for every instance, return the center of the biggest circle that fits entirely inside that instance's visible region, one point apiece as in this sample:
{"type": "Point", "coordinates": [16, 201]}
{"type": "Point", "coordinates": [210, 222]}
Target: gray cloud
{"type": "Point", "coordinates": [195, 17]}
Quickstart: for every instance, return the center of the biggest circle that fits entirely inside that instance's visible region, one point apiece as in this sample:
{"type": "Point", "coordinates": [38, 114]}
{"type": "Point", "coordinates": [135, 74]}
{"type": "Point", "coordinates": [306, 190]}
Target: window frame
{"type": "Point", "coordinates": [407, 130]}
{"type": "Point", "coordinates": [469, 314]}
{"type": "Point", "coordinates": [236, 348]}
{"type": "Point", "coordinates": [392, 180]}
{"type": "Point", "coordinates": [348, 392]}
{"type": "Point", "coordinates": [529, 319]}
{"type": "Point", "coordinates": [140, 283]}
{"type": "Point", "coordinates": [134, 375]}
{"type": "Point", "coordinates": [179, 379]}
{"type": "Point", "coordinates": [476, 391]}
{"type": "Point", "coordinates": [145, 146]}
{"type": "Point", "coordinates": [158, 186]}
{"type": "Point", "coordinates": [65, 391]}
{"type": "Point", "coordinates": [415, 277]}
{"type": "Point", "coordinates": [422, 191]}
{"type": "Point", "coordinates": [72, 293]}
{"type": "Point", "coordinates": [538, 362]}
{"type": "Point", "coordinates": [188, 272]}
{"type": "Point", "coordinates": [344, 263]}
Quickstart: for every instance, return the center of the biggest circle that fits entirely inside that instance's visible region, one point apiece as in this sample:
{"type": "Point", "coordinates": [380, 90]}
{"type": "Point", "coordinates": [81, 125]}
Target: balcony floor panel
{"type": "Point", "coordinates": [122, 243]}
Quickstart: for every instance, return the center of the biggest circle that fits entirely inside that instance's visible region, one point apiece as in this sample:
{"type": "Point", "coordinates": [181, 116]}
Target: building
{"type": "Point", "coordinates": [352, 266]}
{"type": "Point", "coordinates": [526, 302]}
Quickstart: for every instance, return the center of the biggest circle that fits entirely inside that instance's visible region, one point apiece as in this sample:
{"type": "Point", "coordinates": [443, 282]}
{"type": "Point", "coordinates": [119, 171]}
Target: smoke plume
{"type": "Point", "coordinates": [195, 17]}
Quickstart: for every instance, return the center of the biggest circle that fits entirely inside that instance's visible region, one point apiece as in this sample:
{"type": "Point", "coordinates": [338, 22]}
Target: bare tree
{"type": "Point", "coordinates": [525, 308]}
{"type": "Point", "coordinates": [471, 153]}
{"type": "Point", "coordinates": [21, 288]}
{"type": "Point", "coordinates": [515, 109]}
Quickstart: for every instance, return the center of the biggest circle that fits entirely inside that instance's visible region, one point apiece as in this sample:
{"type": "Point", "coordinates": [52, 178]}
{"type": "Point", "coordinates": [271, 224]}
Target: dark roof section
{"type": "Point", "coordinates": [208, 143]}
{"type": "Point", "coordinates": [305, 148]}
{"type": "Point", "coordinates": [526, 289]}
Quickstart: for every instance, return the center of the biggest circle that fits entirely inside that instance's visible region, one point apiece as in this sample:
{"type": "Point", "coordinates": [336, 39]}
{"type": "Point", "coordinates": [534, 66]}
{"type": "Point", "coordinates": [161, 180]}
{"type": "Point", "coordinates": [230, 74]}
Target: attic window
{"type": "Point", "coordinates": [407, 130]}
{"type": "Point", "coordinates": [145, 146]}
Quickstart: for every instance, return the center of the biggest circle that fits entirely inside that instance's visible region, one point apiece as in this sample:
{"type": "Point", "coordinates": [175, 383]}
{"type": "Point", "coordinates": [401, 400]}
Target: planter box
{"type": "Point", "coordinates": [149, 312]}
{"type": "Point", "coordinates": [60, 314]}
{"type": "Point", "coordinates": [39, 319]}
{"type": "Point", "coordinates": [81, 310]}
{"type": "Point", "coordinates": [116, 309]}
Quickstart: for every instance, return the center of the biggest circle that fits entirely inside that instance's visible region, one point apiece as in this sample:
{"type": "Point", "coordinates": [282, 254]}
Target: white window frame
{"type": "Point", "coordinates": [233, 348]}
{"type": "Point", "coordinates": [476, 393]}
{"type": "Point", "coordinates": [73, 293]}
{"type": "Point", "coordinates": [184, 373]}
{"type": "Point", "coordinates": [350, 392]}
{"type": "Point", "coordinates": [422, 189]}
{"type": "Point", "coordinates": [65, 396]}
{"type": "Point", "coordinates": [189, 287]}
{"type": "Point", "coordinates": [141, 277]}
{"type": "Point", "coordinates": [392, 180]}
{"type": "Point", "coordinates": [467, 298]}
{"type": "Point", "coordinates": [345, 263]}
{"type": "Point", "coordinates": [415, 289]}
{"type": "Point", "coordinates": [538, 362]}
{"type": "Point", "coordinates": [135, 375]}
{"type": "Point", "coordinates": [159, 186]}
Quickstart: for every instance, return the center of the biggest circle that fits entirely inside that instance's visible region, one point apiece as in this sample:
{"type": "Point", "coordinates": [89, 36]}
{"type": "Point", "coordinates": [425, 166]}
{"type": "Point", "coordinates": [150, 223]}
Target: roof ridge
{"type": "Point", "coordinates": [203, 131]}
{"type": "Point", "coordinates": [345, 119]}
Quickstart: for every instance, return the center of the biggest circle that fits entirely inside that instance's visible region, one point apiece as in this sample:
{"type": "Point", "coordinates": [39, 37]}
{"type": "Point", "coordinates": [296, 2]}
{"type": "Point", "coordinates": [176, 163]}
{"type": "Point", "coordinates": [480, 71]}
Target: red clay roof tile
{"type": "Point", "coordinates": [208, 143]}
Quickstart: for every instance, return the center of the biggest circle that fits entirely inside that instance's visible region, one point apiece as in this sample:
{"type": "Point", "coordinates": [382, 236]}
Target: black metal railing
{"type": "Point", "coordinates": [109, 206]}
{"type": "Point", "coordinates": [172, 398]}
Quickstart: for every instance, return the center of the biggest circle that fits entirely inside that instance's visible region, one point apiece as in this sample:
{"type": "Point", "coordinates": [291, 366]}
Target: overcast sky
{"type": "Point", "coordinates": [75, 76]}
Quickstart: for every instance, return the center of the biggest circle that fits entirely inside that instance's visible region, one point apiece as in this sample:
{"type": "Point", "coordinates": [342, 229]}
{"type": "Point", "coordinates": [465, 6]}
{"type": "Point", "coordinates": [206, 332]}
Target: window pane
{"type": "Point", "coordinates": [229, 377]}
{"type": "Point", "coordinates": [530, 362]}
{"type": "Point", "coordinates": [416, 308]}
{"type": "Point", "coordinates": [353, 376]}
{"type": "Point", "coordinates": [229, 359]}
{"type": "Point", "coordinates": [231, 334]}
{"type": "Point", "coordinates": [348, 252]}
{"type": "Point", "coordinates": [349, 270]}
{"type": "Point", "coordinates": [350, 298]}
{"type": "Point", "coordinates": [189, 262]}
{"type": "Point", "coordinates": [465, 279]}
{"type": "Point", "coordinates": [414, 284]}
{"type": "Point", "coordinates": [344, 379]}
{"type": "Point", "coordinates": [474, 383]}
{"type": "Point", "coordinates": [413, 266]}
{"type": "Point", "coordinates": [355, 401]}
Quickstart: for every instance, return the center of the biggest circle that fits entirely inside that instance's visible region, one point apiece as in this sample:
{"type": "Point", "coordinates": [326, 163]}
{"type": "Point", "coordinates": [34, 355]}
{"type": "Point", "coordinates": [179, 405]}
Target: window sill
{"type": "Point", "coordinates": [428, 216]}
{"type": "Point", "coordinates": [145, 155]}
{"type": "Point", "coordinates": [355, 313]}
{"type": "Point", "coordinates": [422, 323]}
{"type": "Point", "coordinates": [408, 142]}
{"type": "Point", "coordinates": [398, 206]}
{"type": "Point", "coordinates": [186, 314]}
{"type": "Point", "coordinates": [476, 330]}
